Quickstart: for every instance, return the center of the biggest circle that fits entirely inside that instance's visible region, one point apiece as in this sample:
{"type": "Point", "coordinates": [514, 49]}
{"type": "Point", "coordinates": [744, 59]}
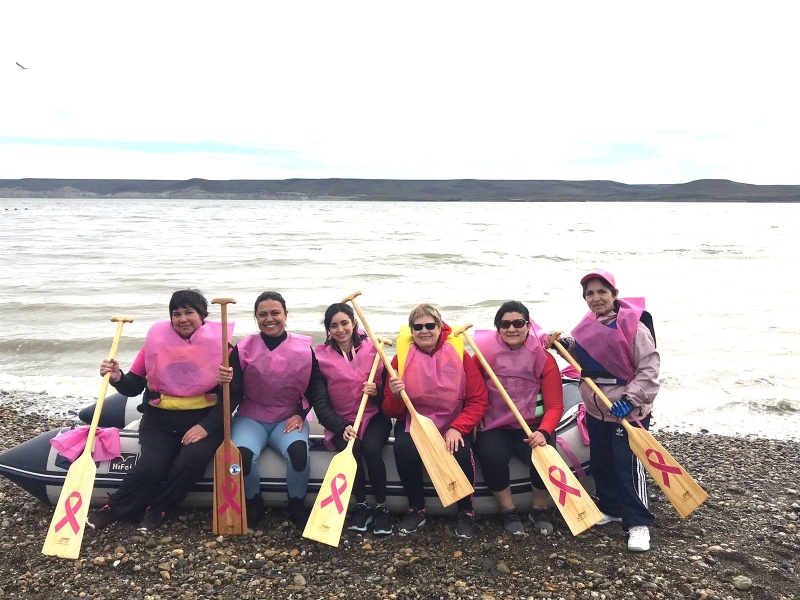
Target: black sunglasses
{"type": "Point", "coordinates": [428, 326]}
{"type": "Point", "coordinates": [517, 323]}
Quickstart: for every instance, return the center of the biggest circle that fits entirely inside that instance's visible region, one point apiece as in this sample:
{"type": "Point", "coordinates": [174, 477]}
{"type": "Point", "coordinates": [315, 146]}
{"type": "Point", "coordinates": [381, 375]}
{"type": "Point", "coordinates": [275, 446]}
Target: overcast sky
{"type": "Point", "coordinates": [636, 92]}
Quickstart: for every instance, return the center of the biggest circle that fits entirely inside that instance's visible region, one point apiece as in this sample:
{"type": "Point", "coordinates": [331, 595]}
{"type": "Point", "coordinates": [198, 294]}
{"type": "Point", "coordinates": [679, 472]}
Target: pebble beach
{"type": "Point", "coordinates": [744, 542]}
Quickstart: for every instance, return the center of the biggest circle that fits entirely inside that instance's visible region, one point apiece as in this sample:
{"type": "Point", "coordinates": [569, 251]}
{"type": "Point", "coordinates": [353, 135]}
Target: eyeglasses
{"type": "Point", "coordinates": [517, 323]}
{"type": "Point", "coordinates": [428, 326]}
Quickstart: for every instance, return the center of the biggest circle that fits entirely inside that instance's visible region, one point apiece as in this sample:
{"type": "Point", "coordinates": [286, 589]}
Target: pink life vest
{"type": "Point", "coordinates": [346, 383]}
{"type": "Point", "coordinates": [274, 380]}
{"type": "Point", "coordinates": [436, 385]}
{"type": "Point", "coordinates": [183, 367]}
{"type": "Point", "coordinates": [612, 347]}
{"type": "Point", "coordinates": [520, 372]}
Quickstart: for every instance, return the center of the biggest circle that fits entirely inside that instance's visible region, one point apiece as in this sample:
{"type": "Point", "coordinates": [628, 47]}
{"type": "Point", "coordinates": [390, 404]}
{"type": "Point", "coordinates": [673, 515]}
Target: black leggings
{"type": "Point", "coordinates": [409, 467]}
{"type": "Point", "coordinates": [495, 447]}
{"type": "Point", "coordinates": [166, 470]}
{"type": "Point", "coordinates": [371, 448]}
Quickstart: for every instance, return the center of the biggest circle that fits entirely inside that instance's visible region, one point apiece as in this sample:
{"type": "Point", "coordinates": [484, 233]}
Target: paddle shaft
{"type": "Point", "coordinates": [365, 396]}
{"type": "Point", "coordinates": [226, 387]}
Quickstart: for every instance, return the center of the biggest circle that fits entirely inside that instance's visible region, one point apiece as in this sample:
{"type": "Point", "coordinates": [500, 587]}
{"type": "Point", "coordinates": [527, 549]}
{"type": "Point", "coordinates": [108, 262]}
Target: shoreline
{"type": "Point", "coordinates": [742, 543]}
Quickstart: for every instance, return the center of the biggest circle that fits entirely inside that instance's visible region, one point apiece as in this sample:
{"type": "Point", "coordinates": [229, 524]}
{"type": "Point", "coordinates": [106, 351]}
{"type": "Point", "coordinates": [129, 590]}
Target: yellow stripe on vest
{"type": "Point", "coordinates": [190, 403]}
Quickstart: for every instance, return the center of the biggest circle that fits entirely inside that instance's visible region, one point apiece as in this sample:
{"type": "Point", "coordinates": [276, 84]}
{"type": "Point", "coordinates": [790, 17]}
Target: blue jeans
{"type": "Point", "coordinates": [255, 436]}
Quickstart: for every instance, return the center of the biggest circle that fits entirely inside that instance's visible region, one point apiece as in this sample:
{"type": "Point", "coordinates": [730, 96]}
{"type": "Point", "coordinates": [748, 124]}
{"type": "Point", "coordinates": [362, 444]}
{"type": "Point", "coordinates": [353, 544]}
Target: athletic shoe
{"type": "Point", "coordinates": [639, 538]}
{"type": "Point", "coordinates": [382, 525]}
{"type": "Point", "coordinates": [255, 510]}
{"type": "Point", "coordinates": [362, 517]}
{"type": "Point", "coordinates": [465, 525]}
{"type": "Point", "coordinates": [413, 520]}
{"type": "Point", "coordinates": [511, 522]}
{"type": "Point", "coordinates": [608, 519]}
{"type": "Point", "coordinates": [152, 520]}
{"type": "Point", "coordinates": [540, 519]}
{"type": "Point", "coordinates": [100, 519]}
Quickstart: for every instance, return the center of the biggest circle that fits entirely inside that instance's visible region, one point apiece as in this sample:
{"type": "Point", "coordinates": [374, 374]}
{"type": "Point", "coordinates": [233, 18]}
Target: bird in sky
{"type": "Point", "coordinates": [21, 67]}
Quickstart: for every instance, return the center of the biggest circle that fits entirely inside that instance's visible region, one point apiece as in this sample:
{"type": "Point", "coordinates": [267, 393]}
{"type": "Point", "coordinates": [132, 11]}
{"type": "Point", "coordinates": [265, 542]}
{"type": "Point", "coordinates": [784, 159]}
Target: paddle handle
{"type": "Point", "coordinates": [494, 378]}
{"type": "Point", "coordinates": [386, 362]}
{"type": "Point", "coordinates": [120, 321]}
{"type": "Point", "coordinates": [553, 341]}
{"type": "Point", "coordinates": [226, 387]}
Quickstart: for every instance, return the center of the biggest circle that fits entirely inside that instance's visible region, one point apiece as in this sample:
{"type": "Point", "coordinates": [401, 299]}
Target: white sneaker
{"type": "Point", "coordinates": [608, 519]}
{"type": "Point", "coordinates": [639, 538]}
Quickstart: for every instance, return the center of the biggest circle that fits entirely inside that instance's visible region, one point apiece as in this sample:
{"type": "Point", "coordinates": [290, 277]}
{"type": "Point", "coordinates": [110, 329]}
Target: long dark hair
{"type": "Point", "coordinates": [331, 311]}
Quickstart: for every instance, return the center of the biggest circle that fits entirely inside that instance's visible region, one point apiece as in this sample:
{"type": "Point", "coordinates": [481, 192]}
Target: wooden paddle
{"type": "Point", "coordinates": [326, 521]}
{"type": "Point", "coordinates": [572, 501]}
{"type": "Point", "coordinates": [65, 535]}
{"type": "Point", "coordinates": [683, 491]}
{"type": "Point", "coordinates": [447, 477]}
{"type": "Point", "coordinates": [230, 511]}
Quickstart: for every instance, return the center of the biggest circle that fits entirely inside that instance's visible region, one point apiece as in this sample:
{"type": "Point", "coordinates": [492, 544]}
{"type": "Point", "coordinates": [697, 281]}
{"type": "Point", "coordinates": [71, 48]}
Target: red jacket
{"type": "Point", "coordinates": [476, 402]}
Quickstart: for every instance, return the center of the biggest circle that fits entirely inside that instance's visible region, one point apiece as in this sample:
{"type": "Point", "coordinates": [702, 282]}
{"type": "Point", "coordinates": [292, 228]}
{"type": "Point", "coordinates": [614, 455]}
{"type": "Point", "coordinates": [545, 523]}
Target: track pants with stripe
{"type": "Point", "coordinates": [619, 477]}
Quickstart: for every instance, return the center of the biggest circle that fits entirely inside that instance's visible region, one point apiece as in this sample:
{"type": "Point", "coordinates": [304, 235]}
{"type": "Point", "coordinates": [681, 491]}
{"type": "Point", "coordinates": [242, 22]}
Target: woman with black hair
{"type": "Point", "coordinates": [181, 425]}
{"type": "Point", "coordinates": [345, 360]}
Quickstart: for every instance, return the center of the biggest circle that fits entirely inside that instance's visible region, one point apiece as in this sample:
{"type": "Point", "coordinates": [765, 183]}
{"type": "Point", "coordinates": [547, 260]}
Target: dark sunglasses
{"type": "Point", "coordinates": [517, 323]}
{"type": "Point", "coordinates": [428, 326]}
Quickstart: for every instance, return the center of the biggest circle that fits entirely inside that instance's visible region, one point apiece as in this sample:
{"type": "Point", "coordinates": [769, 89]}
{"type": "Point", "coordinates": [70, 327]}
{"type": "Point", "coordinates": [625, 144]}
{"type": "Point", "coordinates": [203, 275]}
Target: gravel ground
{"type": "Point", "coordinates": [742, 543]}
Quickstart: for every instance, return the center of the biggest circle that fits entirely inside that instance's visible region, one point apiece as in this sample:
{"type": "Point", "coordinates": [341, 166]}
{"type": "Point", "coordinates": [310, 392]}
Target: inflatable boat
{"type": "Point", "coordinates": [38, 469]}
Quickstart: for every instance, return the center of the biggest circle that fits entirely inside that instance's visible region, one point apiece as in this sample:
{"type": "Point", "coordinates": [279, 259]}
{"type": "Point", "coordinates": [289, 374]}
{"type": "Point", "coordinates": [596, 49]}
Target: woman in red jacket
{"type": "Point", "coordinates": [445, 385]}
{"type": "Point", "coordinates": [530, 376]}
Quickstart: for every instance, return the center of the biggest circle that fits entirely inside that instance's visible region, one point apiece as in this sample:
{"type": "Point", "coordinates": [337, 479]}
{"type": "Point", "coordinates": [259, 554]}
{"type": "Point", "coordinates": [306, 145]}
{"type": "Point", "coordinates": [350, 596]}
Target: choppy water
{"type": "Point", "coordinates": [719, 280]}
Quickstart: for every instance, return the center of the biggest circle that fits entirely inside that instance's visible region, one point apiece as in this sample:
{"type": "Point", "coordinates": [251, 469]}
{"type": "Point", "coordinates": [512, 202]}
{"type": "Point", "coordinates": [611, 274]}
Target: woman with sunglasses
{"type": "Point", "coordinates": [271, 373]}
{"type": "Point", "coordinates": [445, 385]}
{"type": "Point", "coordinates": [530, 376]}
{"type": "Point", "coordinates": [345, 360]}
{"type": "Point", "coordinates": [615, 345]}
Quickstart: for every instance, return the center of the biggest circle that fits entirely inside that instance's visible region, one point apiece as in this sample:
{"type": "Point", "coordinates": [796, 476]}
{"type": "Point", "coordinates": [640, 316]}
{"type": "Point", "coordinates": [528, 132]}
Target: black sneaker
{"type": "Point", "coordinates": [511, 522]}
{"type": "Point", "coordinates": [413, 520]}
{"type": "Point", "coordinates": [153, 519]}
{"type": "Point", "coordinates": [255, 510]}
{"type": "Point", "coordinates": [100, 519]}
{"type": "Point", "coordinates": [382, 524]}
{"type": "Point", "coordinates": [362, 516]}
{"type": "Point", "coordinates": [540, 519]}
{"type": "Point", "coordinates": [298, 513]}
{"type": "Point", "coordinates": [465, 526]}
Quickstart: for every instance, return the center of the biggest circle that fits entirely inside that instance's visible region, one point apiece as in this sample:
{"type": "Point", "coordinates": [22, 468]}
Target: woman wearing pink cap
{"type": "Point", "coordinates": [615, 346]}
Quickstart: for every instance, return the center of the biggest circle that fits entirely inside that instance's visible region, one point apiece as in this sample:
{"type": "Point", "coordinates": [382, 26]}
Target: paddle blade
{"type": "Point", "coordinates": [65, 535]}
{"type": "Point", "coordinates": [683, 491]}
{"type": "Point", "coordinates": [447, 477]}
{"type": "Point", "coordinates": [230, 512]}
{"type": "Point", "coordinates": [572, 501]}
{"type": "Point", "coordinates": [326, 521]}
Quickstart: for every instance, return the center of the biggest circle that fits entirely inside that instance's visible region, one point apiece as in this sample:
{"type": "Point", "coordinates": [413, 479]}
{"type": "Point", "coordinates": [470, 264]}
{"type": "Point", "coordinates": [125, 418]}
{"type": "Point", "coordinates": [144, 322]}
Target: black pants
{"type": "Point", "coordinates": [166, 470]}
{"type": "Point", "coordinates": [409, 467]}
{"type": "Point", "coordinates": [495, 447]}
{"type": "Point", "coordinates": [370, 448]}
{"type": "Point", "coordinates": [619, 477]}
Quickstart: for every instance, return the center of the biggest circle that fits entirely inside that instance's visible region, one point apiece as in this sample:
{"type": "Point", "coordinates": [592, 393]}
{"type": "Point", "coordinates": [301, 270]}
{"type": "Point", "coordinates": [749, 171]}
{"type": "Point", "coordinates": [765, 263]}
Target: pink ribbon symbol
{"type": "Point", "coordinates": [662, 465]}
{"type": "Point", "coordinates": [561, 484]}
{"type": "Point", "coordinates": [229, 490]}
{"type": "Point", "coordinates": [71, 509]}
{"type": "Point", "coordinates": [336, 493]}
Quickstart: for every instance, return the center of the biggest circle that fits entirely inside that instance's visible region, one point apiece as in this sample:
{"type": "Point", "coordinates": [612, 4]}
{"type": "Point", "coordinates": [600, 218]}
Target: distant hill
{"type": "Point", "coordinates": [451, 190]}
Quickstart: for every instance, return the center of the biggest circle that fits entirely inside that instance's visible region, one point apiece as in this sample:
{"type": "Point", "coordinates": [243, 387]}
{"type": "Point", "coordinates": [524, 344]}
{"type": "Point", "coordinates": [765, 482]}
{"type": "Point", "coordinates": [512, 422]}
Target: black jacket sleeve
{"type": "Point", "coordinates": [130, 384]}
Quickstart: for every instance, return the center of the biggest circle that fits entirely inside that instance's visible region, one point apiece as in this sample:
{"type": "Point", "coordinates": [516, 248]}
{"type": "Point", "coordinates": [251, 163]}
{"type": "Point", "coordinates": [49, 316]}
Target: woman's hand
{"type": "Point", "coordinates": [110, 366]}
{"type": "Point", "coordinates": [452, 438]}
{"type": "Point", "coordinates": [536, 439]}
{"type": "Point", "coordinates": [397, 386]}
{"type": "Point", "coordinates": [195, 434]}
{"type": "Point", "coordinates": [224, 375]}
{"type": "Point", "coordinates": [349, 433]}
{"type": "Point", "coordinates": [293, 423]}
{"type": "Point", "coordinates": [370, 389]}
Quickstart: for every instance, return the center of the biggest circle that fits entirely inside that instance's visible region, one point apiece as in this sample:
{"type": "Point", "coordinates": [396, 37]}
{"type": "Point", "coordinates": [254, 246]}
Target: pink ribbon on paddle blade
{"type": "Point", "coordinates": [662, 465]}
{"type": "Point", "coordinates": [561, 484]}
{"type": "Point", "coordinates": [229, 490]}
{"type": "Point", "coordinates": [71, 509]}
{"type": "Point", "coordinates": [336, 493]}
